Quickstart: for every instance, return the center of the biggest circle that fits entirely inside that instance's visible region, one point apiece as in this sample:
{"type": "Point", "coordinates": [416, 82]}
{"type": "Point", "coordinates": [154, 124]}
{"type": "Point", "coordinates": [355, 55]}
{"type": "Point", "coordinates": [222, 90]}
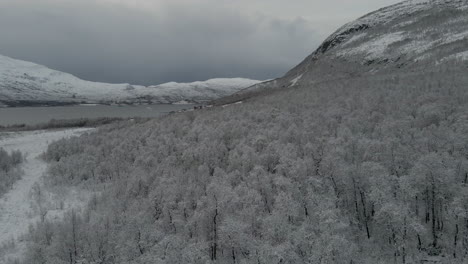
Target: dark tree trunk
{"type": "Point", "coordinates": [140, 249]}
{"type": "Point", "coordinates": [356, 206]}
{"type": "Point", "coordinates": [366, 218]}
{"type": "Point", "coordinates": [419, 243]}
{"type": "Point", "coordinates": [427, 206]}
{"type": "Point", "coordinates": [434, 232]}
{"type": "Point", "coordinates": [455, 241]}
{"type": "Point", "coordinates": [74, 223]}
{"type": "Point", "coordinates": [404, 243]}
{"type": "Point", "coordinates": [214, 247]}
{"type": "Point", "coordinates": [417, 207]}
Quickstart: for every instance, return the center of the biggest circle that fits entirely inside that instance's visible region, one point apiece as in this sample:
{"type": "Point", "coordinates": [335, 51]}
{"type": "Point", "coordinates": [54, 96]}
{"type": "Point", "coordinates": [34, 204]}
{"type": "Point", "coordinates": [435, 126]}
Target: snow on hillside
{"type": "Point", "coordinates": [412, 33]}
{"type": "Point", "coordinates": [196, 91]}
{"type": "Point", "coordinates": [375, 48]}
{"type": "Point", "coordinates": [394, 31]}
{"type": "Point", "coordinates": [392, 37]}
{"type": "Point", "coordinates": [26, 81]}
{"type": "Point", "coordinates": [22, 80]}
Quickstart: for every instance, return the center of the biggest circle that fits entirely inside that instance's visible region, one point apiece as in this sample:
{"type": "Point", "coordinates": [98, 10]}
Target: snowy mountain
{"type": "Point", "coordinates": [414, 34]}
{"type": "Point", "coordinates": [363, 159]}
{"type": "Point", "coordinates": [25, 82]}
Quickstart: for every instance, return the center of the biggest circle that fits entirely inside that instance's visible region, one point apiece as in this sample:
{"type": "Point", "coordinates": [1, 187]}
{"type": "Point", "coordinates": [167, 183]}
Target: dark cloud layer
{"type": "Point", "coordinates": [112, 43]}
{"type": "Point", "coordinates": [176, 41]}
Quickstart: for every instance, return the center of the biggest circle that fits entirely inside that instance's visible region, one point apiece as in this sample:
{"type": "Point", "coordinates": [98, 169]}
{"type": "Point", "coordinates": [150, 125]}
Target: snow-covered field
{"type": "Point", "coordinates": [17, 206]}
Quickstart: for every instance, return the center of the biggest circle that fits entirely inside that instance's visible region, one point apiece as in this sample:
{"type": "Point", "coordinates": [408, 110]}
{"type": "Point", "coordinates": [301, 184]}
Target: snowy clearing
{"type": "Point", "coordinates": [16, 210]}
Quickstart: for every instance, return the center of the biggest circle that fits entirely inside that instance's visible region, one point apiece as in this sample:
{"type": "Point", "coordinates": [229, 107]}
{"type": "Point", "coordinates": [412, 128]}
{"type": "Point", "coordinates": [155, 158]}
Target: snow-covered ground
{"type": "Point", "coordinates": [17, 206]}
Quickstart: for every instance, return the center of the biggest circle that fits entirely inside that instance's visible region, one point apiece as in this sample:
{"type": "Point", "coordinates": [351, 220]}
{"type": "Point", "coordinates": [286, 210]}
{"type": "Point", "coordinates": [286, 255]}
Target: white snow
{"type": "Point", "coordinates": [420, 45]}
{"type": "Point", "coordinates": [415, 45]}
{"type": "Point", "coordinates": [463, 56]}
{"type": "Point", "coordinates": [390, 13]}
{"type": "Point", "coordinates": [295, 80]}
{"type": "Point", "coordinates": [196, 91]}
{"type": "Point", "coordinates": [22, 80]}
{"type": "Point", "coordinates": [183, 102]}
{"type": "Point", "coordinates": [375, 48]}
{"type": "Point", "coordinates": [405, 23]}
{"type": "Point", "coordinates": [36, 81]}
{"type": "Point", "coordinates": [16, 206]}
{"type": "Point", "coordinates": [236, 103]}
{"type": "Point", "coordinates": [455, 37]}
{"type": "Point", "coordinates": [355, 38]}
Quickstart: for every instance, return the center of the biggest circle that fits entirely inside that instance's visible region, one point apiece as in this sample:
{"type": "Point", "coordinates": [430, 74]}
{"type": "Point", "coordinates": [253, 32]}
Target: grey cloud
{"type": "Point", "coordinates": [111, 43]}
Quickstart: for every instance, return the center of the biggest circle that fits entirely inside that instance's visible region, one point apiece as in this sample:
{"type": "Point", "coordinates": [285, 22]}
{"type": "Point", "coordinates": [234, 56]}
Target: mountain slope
{"type": "Point", "coordinates": [391, 39]}
{"type": "Point", "coordinates": [22, 81]}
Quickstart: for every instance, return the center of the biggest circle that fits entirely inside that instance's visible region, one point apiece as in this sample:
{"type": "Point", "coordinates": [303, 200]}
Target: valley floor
{"type": "Point", "coordinates": [17, 206]}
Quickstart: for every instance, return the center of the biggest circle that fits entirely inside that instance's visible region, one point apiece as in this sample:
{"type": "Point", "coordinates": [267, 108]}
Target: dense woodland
{"type": "Point", "coordinates": [364, 170]}
{"type": "Point", "coordinates": [9, 169]}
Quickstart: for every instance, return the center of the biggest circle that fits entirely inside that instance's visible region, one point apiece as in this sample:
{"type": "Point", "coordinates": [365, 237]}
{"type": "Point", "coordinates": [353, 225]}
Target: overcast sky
{"type": "Point", "coordinates": [155, 41]}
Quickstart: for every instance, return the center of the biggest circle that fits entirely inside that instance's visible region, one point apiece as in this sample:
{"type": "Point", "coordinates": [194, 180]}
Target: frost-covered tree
{"type": "Point", "coordinates": [362, 170]}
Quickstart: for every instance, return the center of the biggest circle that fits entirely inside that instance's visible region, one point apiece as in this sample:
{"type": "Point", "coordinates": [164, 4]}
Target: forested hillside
{"type": "Point", "coordinates": [367, 170]}
{"type": "Point", "coordinates": [352, 162]}
{"type": "Point", "coordinates": [9, 169]}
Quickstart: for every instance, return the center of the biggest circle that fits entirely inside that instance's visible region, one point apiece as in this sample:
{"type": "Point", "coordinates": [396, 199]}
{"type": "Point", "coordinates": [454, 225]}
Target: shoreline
{"type": "Point", "coordinates": [40, 103]}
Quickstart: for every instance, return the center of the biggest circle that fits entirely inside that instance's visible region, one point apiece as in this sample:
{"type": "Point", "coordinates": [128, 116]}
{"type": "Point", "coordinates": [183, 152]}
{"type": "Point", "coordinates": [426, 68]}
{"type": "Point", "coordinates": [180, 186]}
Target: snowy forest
{"type": "Point", "coordinates": [9, 169]}
{"type": "Point", "coordinates": [358, 170]}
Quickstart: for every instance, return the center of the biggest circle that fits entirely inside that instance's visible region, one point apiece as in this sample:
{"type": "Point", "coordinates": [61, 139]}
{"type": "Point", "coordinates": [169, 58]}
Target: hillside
{"type": "Point", "coordinates": [356, 162]}
{"type": "Point", "coordinates": [411, 35]}
{"type": "Point", "coordinates": [26, 83]}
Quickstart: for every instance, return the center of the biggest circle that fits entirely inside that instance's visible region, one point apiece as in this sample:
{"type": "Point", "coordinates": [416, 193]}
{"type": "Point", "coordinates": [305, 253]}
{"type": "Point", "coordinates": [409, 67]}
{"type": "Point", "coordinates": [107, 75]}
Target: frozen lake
{"type": "Point", "coordinates": [38, 115]}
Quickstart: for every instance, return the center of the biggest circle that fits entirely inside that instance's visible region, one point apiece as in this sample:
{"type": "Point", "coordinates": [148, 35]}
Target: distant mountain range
{"type": "Point", "coordinates": [25, 83]}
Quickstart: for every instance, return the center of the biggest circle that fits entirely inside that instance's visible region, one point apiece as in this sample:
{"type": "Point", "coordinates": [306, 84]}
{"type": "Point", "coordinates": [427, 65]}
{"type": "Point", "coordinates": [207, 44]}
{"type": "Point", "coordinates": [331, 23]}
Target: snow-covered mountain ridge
{"type": "Point", "coordinates": [26, 82]}
{"type": "Point", "coordinates": [414, 34]}
{"type": "Point", "coordinates": [411, 34]}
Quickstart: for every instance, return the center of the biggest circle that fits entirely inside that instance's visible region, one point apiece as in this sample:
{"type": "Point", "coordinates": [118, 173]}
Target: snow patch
{"type": "Point", "coordinates": [183, 102]}
{"type": "Point", "coordinates": [463, 56]}
{"type": "Point", "coordinates": [236, 103]}
{"type": "Point", "coordinates": [295, 80]}
{"type": "Point", "coordinates": [355, 38]}
{"type": "Point", "coordinates": [405, 23]}
{"type": "Point", "coordinates": [449, 38]}
{"type": "Point", "coordinates": [416, 47]}
{"type": "Point", "coordinates": [375, 48]}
